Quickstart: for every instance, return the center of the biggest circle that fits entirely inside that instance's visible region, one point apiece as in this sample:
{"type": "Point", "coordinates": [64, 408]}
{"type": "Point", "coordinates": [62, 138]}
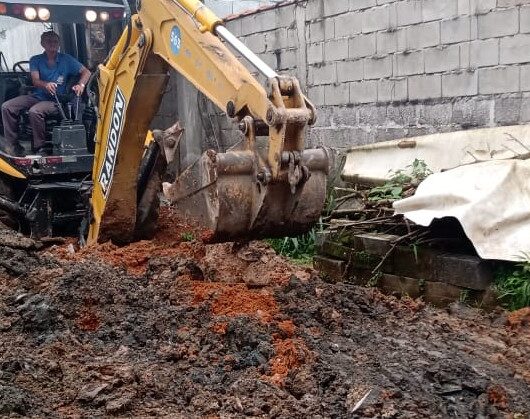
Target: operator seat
{"type": "Point", "coordinates": [25, 132]}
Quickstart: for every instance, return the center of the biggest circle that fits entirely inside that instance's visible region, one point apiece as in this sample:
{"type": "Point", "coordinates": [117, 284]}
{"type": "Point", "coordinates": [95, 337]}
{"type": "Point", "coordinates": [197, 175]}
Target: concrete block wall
{"type": "Point", "coordinates": [386, 69]}
{"type": "Point", "coordinates": [414, 67]}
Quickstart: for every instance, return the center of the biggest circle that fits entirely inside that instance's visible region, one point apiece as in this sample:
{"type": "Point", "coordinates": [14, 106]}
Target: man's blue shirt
{"type": "Point", "coordinates": [65, 66]}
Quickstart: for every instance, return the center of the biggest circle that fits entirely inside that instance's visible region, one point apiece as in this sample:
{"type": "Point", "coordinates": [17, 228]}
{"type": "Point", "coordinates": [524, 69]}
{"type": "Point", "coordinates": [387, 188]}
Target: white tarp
{"type": "Point", "coordinates": [490, 199]}
{"type": "Point", "coordinates": [374, 163]}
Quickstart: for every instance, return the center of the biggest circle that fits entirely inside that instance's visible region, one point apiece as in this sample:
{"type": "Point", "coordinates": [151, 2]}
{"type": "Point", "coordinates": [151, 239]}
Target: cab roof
{"type": "Point", "coordinates": [62, 11]}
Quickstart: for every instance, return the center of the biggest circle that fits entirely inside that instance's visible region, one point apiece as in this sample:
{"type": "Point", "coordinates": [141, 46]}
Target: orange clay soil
{"type": "Point", "coordinates": [169, 241]}
{"type": "Point", "coordinates": [235, 300]}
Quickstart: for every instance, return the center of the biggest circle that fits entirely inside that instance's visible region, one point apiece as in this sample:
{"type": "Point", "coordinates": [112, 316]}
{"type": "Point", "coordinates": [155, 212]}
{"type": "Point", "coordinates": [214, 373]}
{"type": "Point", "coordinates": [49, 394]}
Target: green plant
{"type": "Point", "coordinates": [464, 297]}
{"type": "Point", "coordinates": [393, 188]}
{"type": "Point", "coordinates": [300, 248]}
{"type": "Point", "coordinates": [512, 284]}
{"type": "Point", "coordinates": [187, 237]}
{"type": "Point", "coordinates": [374, 279]}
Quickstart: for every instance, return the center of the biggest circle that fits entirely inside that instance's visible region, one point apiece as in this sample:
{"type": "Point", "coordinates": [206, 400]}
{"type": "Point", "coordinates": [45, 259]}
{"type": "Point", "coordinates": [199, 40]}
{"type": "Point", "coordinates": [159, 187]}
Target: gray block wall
{"type": "Point", "coordinates": [386, 69]}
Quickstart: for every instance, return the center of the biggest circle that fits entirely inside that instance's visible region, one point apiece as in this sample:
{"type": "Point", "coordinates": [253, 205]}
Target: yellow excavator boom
{"type": "Point", "coordinates": [268, 186]}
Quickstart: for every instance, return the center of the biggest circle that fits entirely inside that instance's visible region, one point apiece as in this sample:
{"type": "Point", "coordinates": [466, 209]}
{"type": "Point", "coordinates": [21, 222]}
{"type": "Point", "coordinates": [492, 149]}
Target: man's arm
{"type": "Point", "coordinates": [46, 85]}
{"type": "Point", "coordinates": [83, 80]}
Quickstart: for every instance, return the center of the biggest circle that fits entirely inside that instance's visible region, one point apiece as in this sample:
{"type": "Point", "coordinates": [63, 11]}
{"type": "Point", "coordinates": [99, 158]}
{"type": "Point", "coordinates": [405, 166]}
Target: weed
{"type": "Point", "coordinates": [393, 188]}
{"type": "Point", "coordinates": [374, 279]}
{"type": "Point", "coordinates": [187, 237]}
{"type": "Point", "coordinates": [300, 249]}
{"type": "Point", "coordinates": [512, 283]}
{"type": "Point", "coordinates": [464, 297]}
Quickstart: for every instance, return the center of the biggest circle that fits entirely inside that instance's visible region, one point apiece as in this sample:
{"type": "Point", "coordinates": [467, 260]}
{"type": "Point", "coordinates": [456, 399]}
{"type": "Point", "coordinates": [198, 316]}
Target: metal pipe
{"type": "Point", "coordinates": [257, 62]}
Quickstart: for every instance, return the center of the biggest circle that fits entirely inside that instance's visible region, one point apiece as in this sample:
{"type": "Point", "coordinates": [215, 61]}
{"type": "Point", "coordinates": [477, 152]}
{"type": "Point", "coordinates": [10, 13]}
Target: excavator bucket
{"type": "Point", "coordinates": [226, 194]}
{"type": "Point", "coordinates": [268, 186]}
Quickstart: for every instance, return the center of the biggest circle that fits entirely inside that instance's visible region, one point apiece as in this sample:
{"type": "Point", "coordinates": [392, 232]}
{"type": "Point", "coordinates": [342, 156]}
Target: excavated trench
{"type": "Point", "coordinates": [176, 327]}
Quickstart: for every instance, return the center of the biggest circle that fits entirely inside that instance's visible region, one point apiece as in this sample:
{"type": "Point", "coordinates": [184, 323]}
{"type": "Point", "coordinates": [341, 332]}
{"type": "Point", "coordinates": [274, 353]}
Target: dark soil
{"type": "Point", "coordinates": [114, 331]}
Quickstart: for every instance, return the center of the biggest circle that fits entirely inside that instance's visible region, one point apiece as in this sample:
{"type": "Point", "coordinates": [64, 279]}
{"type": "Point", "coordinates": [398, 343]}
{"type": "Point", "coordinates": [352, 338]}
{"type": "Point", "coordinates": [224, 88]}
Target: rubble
{"type": "Point", "coordinates": [144, 331]}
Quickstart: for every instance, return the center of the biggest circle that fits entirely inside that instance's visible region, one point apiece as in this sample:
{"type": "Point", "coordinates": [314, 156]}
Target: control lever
{"type": "Point", "coordinates": [61, 110]}
{"type": "Point", "coordinates": [77, 109]}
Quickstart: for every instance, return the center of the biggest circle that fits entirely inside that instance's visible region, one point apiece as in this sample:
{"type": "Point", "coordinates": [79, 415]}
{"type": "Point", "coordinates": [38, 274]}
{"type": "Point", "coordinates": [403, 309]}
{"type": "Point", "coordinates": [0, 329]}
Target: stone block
{"type": "Point", "coordinates": [507, 110]}
{"type": "Point", "coordinates": [331, 269]}
{"type": "Point", "coordinates": [362, 46]}
{"type": "Point", "coordinates": [323, 115]}
{"type": "Point", "coordinates": [321, 30]}
{"type": "Point", "coordinates": [376, 68]}
{"type": "Point", "coordinates": [348, 24]}
{"type": "Point", "coordinates": [525, 78]}
{"type": "Point", "coordinates": [515, 49]}
{"type": "Point", "coordinates": [336, 94]}
{"type": "Point", "coordinates": [372, 115]}
{"type": "Point", "coordinates": [441, 294]}
{"type": "Point", "coordinates": [524, 19]}
{"type": "Point", "coordinates": [390, 133]}
{"type": "Point", "coordinates": [315, 53]}
{"type": "Point", "coordinates": [464, 83]}
{"type": "Point", "coordinates": [340, 138]}
{"type": "Point", "coordinates": [344, 116]}
{"type": "Point", "coordinates": [334, 249]}
{"type": "Point", "coordinates": [484, 53]}
{"type": "Point", "coordinates": [525, 109]}
{"type": "Point", "coordinates": [444, 58]}
{"type": "Point", "coordinates": [335, 7]}
{"type": "Point", "coordinates": [317, 32]}
{"type": "Point", "coordinates": [323, 74]}
{"type": "Point", "coordinates": [409, 63]}
{"type": "Point", "coordinates": [350, 71]}
{"type": "Point", "coordinates": [374, 243]}
{"type": "Point", "coordinates": [276, 39]}
{"type": "Point", "coordinates": [498, 23]}
{"type": "Point", "coordinates": [436, 9]}
{"type": "Point", "coordinates": [287, 59]}
{"type": "Point", "coordinates": [402, 115]}
{"type": "Point", "coordinates": [376, 19]}
{"type": "Point", "coordinates": [361, 4]}
{"type": "Point", "coordinates": [423, 35]}
{"type": "Point", "coordinates": [435, 114]}
{"type": "Point", "coordinates": [409, 12]}
{"type": "Point", "coordinates": [284, 17]}
{"type": "Point", "coordinates": [316, 95]}
{"type": "Point", "coordinates": [390, 90]}
{"type": "Point", "coordinates": [456, 30]}
{"type": "Point", "coordinates": [391, 41]}
{"type": "Point", "coordinates": [511, 3]}
{"type": "Point", "coordinates": [314, 10]}
{"type": "Point", "coordinates": [478, 7]}
{"type": "Point", "coordinates": [463, 271]}
{"type": "Point", "coordinates": [255, 42]}
{"type": "Point", "coordinates": [336, 50]}
{"type": "Point", "coordinates": [403, 286]}
{"type": "Point", "coordinates": [464, 7]}
{"type": "Point", "coordinates": [363, 91]}
{"type": "Point", "coordinates": [498, 80]}
{"type": "Point", "coordinates": [413, 265]}
{"type": "Point", "coordinates": [473, 113]}
{"type": "Point", "coordinates": [425, 87]}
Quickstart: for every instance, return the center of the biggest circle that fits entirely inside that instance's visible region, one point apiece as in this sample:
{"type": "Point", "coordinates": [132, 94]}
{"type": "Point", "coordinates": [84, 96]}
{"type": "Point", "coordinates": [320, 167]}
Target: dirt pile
{"type": "Point", "coordinates": [143, 331]}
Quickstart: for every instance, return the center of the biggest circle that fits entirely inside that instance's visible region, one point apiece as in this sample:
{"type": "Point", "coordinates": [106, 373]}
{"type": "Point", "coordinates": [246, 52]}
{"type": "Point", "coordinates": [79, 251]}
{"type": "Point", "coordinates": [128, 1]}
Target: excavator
{"type": "Point", "coordinates": [268, 185]}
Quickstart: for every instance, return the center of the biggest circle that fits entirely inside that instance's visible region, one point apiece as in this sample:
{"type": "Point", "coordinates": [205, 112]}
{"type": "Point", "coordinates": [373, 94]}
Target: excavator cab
{"type": "Point", "coordinates": [45, 195]}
